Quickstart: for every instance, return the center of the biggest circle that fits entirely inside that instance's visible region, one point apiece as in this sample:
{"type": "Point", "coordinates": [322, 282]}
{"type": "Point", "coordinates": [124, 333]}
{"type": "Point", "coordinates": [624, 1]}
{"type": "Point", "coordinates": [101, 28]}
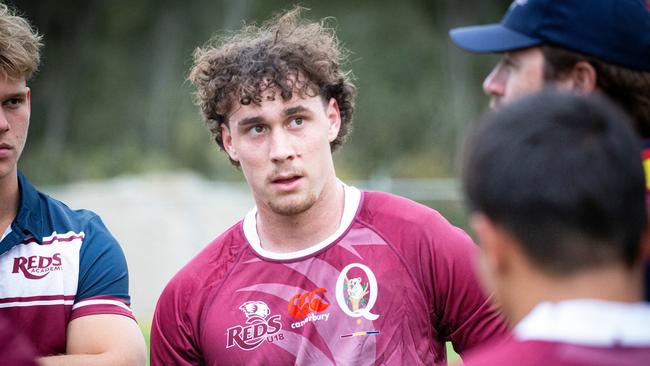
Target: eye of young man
{"type": "Point", "coordinates": [296, 122]}
{"type": "Point", "coordinates": [14, 101]}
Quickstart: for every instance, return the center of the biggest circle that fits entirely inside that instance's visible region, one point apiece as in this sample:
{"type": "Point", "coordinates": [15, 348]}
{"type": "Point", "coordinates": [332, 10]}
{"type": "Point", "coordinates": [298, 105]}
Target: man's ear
{"type": "Point", "coordinates": [226, 138]}
{"type": "Point", "coordinates": [496, 244]}
{"type": "Point", "coordinates": [29, 100]}
{"type": "Point", "coordinates": [582, 79]}
{"type": "Point", "coordinates": [334, 117]}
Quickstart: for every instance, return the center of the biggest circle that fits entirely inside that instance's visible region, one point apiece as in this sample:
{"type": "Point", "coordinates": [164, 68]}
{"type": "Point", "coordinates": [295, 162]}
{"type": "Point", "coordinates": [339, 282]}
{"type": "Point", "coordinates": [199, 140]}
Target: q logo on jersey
{"type": "Point", "coordinates": [355, 297]}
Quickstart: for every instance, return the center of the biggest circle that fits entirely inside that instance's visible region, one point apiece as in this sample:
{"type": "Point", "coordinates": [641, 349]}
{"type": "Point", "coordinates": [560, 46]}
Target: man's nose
{"type": "Point", "coordinates": [4, 121]}
{"type": "Point", "coordinates": [494, 83]}
{"type": "Point", "coordinates": [282, 147]}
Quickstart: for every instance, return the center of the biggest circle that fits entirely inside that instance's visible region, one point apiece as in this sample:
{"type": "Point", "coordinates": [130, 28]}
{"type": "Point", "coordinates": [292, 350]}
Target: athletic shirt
{"type": "Point", "coordinates": [57, 265]}
{"type": "Point", "coordinates": [579, 332]}
{"type": "Point", "coordinates": [390, 286]}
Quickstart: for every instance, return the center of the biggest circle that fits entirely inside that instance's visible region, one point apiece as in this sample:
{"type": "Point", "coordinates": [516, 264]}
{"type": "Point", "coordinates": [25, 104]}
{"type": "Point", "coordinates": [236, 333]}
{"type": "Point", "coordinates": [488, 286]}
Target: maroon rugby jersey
{"type": "Point", "coordinates": [390, 286]}
{"type": "Point", "coordinates": [574, 333]}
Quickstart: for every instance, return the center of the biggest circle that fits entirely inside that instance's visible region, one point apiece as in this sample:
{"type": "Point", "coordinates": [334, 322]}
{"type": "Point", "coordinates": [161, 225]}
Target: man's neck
{"type": "Point", "coordinates": [284, 234]}
{"type": "Point", "coordinates": [610, 283]}
{"type": "Point", "coordinates": [9, 200]}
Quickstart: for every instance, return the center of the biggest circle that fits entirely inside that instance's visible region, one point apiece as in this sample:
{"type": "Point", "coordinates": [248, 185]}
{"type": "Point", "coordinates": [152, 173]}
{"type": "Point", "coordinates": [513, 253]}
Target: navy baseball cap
{"type": "Point", "coordinates": [615, 31]}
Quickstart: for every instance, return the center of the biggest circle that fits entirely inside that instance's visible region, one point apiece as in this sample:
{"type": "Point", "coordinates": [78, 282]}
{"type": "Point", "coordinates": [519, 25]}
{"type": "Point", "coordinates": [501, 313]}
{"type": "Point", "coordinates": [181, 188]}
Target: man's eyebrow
{"type": "Point", "coordinates": [18, 95]}
{"type": "Point", "coordinates": [294, 110]}
{"type": "Point", "coordinates": [510, 57]}
{"type": "Point", "coordinates": [249, 121]}
{"type": "Point", "coordinates": [257, 119]}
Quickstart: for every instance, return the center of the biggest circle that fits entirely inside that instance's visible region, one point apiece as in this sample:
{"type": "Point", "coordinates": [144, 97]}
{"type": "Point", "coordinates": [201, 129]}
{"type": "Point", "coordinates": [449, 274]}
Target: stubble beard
{"type": "Point", "coordinates": [292, 207]}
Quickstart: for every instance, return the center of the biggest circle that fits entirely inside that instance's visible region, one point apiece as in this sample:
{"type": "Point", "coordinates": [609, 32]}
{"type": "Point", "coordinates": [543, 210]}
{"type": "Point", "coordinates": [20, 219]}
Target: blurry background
{"type": "Point", "coordinates": [113, 127]}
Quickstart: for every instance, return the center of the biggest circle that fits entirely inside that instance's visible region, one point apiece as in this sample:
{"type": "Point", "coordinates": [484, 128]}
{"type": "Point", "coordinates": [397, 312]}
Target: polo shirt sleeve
{"type": "Point", "coordinates": [103, 286]}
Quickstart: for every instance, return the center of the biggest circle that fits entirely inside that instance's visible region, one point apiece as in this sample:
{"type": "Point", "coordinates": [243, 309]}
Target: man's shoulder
{"type": "Point", "coordinates": [49, 220]}
{"type": "Point", "coordinates": [401, 217]}
{"type": "Point", "coordinates": [56, 213]}
{"type": "Point", "coordinates": [387, 206]}
{"type": "Point", "coordinates": [211, 264]}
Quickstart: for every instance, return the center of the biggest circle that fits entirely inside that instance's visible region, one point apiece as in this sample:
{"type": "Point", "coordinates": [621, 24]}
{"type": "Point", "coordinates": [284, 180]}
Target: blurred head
{"type": "Point", "coordinates": [283, 58]}
{"type": "Point", "coordinates": [573, 45]}
{"type": "Point", "coordinates": [19, 58]}
{"type": "Point", "coordinates": [560, 177]}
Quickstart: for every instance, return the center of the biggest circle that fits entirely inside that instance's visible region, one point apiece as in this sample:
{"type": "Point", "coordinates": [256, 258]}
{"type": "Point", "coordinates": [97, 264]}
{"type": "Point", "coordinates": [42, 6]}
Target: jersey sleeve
{"type": "Point", "coordinates": [172, 333]}
{"type": "Point", "coordinates": [466, 316]}
{"type": "Point", "coordinates": [103, 286]}
{"type": "Point", "coordinates": [178, 320]}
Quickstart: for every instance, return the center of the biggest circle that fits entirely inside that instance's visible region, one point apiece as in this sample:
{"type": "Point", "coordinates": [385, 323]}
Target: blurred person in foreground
{"type": "Point", "coordinates": [555, 185]}
{"type": "Point", "coordinates": [580, 46]}
{"type": "Point", "coordinates": [63, 277]}
{"type": "Point", "coordinates": [318, 272]}
{"type": "Point", "coordinates": [15, 349]}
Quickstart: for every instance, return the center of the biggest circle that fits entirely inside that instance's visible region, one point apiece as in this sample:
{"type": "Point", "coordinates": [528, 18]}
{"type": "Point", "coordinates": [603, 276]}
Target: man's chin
{"type": "Point", "coordinates": [291, 206]}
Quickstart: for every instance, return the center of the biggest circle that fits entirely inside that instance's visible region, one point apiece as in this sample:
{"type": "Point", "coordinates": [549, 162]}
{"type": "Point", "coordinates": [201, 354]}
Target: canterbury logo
{"type": "Point", "coordinates": [301, 305]}
{"type": "Point", "coordinates": [36, 266]}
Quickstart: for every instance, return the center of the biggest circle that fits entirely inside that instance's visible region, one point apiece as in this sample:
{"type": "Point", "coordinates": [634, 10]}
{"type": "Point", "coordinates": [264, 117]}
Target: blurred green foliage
{"type": "Point", "coordinates": [111, 96]}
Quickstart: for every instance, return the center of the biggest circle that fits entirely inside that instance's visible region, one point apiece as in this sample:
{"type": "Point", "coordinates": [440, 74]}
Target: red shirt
{"type": "Point", "coordinates": [575, 333]}
{"type": "Point", "coordinates": [390, 286]}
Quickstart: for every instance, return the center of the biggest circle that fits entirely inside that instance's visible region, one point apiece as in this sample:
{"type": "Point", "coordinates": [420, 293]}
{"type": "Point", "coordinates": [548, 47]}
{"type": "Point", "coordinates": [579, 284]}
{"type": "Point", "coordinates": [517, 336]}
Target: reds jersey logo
{"type": "Point", "coordinates": [36, 267]}
{"type": "Point", "coordinates": [260, 327]}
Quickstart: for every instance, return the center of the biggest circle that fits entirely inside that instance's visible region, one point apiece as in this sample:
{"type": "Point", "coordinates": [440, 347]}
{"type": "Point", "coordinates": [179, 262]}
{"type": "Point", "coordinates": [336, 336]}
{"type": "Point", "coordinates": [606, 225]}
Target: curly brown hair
{"type": "Point", "coordinates": [629, 88]}
{"type": "Point", "coordinates": [286, 54]}
{"type": "Point", "coordinates": [19, 46]}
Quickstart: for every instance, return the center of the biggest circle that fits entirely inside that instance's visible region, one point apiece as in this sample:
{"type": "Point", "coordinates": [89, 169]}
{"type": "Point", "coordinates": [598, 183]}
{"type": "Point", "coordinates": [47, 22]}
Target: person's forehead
{"type": "Point", "coordinates": [524, 54]}
{"type": "Point", "coordinates": [12, 86]}
{"type": "Point", "coordinates": [273, 103]}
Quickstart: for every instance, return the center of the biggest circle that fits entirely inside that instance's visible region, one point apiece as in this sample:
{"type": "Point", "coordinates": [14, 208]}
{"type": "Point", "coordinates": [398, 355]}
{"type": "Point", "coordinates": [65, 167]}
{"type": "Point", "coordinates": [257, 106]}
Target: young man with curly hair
{"type": "Point", "coordinates": [63, 277]}
{"type": "Point", "coordinates": [318, 272]}
{"type": "Point", "coordinates": [562, 257]}
{"type": "Point", "coordinates": [576, 45]}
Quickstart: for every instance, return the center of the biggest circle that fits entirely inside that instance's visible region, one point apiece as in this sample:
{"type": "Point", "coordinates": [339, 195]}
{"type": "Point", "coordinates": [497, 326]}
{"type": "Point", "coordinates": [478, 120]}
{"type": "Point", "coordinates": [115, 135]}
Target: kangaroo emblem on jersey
{"type": "Point", "coordinates": [261, 327]}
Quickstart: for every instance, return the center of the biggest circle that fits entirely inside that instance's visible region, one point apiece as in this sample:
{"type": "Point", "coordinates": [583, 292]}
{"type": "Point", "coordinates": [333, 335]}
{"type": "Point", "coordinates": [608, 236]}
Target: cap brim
{"type": "Point", "coordinates": [490, 38]}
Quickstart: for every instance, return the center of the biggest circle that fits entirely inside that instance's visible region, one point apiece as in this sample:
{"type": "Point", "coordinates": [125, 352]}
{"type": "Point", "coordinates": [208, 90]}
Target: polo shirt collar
{"type": "Point", "coordinates": [29, 220]}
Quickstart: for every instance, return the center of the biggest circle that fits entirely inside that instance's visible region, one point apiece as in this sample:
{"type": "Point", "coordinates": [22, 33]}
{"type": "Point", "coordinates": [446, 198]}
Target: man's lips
{"type": "Point", "coordinates": [5, 149]}
{"type": "Point", "coordinates": [285, 180]}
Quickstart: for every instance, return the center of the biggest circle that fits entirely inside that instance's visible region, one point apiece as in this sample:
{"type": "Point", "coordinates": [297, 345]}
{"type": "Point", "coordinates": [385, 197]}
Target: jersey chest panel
{"type": "Point", "coordinates": [354, 304]}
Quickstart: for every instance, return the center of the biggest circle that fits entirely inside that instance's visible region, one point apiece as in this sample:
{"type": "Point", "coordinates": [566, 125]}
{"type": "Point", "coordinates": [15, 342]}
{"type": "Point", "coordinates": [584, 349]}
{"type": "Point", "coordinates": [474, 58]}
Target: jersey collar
{"type": "Point", "coordinates": [28, 221]}
{"type": "Point", "coordinates": [588, 322]}
{"type": "Point", "coordinates": [352, 200]}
